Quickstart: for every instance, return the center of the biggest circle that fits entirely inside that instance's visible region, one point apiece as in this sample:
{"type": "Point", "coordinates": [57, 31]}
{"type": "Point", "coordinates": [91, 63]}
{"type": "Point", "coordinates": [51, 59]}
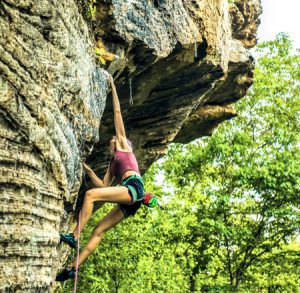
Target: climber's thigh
{"type": "Point", "coordinates": [118, 194]}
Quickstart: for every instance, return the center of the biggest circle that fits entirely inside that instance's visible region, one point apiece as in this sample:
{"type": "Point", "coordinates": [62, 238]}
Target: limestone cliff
{"type": "Point", "coordinates": [187, 61]}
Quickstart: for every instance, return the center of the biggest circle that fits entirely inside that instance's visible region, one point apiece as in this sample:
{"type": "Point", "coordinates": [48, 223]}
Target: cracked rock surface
{"type": "Point", "coordinates": [52, 96]}
{"type": "Point", "coordinates": [180, 58]}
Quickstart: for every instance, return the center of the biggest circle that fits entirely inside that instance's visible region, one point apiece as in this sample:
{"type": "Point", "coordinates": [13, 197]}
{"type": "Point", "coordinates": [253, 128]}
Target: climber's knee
{"type": "Point", "coordinates": [89, 195]}
{"type": "Point", "coordinates": [98, 232]}
{"type": "Point", "coordinates": [94, 194]}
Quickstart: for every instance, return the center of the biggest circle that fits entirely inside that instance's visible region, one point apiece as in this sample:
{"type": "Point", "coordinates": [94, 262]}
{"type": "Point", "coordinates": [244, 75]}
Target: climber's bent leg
{"type": "Point", "coordinates": [108, 194]}
{"type": "Point", "coordinates": [109, 221]}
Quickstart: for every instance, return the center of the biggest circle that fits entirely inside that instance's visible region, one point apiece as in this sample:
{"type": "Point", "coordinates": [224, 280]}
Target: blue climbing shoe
{"type": "Point", "coordinates": [66, 274]}
{"type": "Point", "coordinates": [68, 238]}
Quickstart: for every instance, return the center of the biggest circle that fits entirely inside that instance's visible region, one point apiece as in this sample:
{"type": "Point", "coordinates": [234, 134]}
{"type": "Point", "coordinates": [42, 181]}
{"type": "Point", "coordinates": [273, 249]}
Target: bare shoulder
{"type": "Point", "coordinates": [122, 144]}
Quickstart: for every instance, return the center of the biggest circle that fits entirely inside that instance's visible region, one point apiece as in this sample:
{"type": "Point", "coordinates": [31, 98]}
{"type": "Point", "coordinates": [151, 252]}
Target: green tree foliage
{"type": "Point", "coordinates": [231, 218]}
{"type": "Point", "coordinates": [249, 171]}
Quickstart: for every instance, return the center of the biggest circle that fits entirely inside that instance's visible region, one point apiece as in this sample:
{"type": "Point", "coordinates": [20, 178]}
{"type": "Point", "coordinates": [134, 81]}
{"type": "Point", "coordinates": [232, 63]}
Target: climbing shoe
{"type": "Point", "coordinates": [68, 238]}
{"type": "Point", "coordinates": [66, 274]}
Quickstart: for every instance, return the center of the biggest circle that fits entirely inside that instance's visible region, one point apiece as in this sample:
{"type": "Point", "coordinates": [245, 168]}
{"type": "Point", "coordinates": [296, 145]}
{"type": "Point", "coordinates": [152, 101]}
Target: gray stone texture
{"type": "Point", "coordinates": [52, 96]}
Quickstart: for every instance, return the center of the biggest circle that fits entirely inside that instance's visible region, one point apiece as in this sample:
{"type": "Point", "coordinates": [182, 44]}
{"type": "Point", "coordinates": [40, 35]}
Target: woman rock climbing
{"type": "Point", "coordinates": [128, 196]}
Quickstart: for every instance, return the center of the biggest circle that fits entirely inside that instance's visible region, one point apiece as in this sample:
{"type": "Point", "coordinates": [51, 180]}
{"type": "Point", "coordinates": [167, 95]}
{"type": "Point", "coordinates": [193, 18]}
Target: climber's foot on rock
{"type": "Point", "coordinates": [68, 238]}
{"type": "Point", "coordinates": [66, 274]}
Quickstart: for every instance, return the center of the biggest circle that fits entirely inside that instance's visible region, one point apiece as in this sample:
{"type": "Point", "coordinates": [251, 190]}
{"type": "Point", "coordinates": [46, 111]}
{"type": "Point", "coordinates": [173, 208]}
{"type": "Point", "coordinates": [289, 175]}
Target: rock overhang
{"type": "Point", "coordinates": [180, 59]}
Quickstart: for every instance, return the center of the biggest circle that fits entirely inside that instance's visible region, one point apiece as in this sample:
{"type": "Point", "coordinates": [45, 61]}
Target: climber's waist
{"type": "Point", "coordinates": [137, 177]}
{"type": "Point", "coordinates": [135, 185]}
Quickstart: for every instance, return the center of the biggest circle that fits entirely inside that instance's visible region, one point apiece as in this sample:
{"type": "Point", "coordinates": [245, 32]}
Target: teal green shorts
{"type": "Point", "coordinates": [135, 185]}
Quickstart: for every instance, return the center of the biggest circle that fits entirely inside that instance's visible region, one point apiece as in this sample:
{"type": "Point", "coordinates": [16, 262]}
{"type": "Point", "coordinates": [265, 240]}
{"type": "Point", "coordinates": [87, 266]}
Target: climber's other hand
{"type": "Point", "coordinates": [86, 168]}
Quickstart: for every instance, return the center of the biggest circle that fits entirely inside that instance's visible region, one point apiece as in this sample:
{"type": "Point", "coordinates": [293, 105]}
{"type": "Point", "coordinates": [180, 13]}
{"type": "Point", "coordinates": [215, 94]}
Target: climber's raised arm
{"type": "Point", "coordinates": [118, 119]}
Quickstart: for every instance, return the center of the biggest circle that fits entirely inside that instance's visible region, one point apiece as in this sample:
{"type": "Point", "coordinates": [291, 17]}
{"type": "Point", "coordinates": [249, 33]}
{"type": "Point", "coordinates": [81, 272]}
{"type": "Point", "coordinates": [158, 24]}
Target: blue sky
{"type": "Point", "coordinates": [280, 16]}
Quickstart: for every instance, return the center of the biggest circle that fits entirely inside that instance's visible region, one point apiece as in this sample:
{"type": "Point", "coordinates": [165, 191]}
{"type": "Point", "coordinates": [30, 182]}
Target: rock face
{"type": "Point", "coordinates": [52, 99]}
{"type": "Point", "coordinates": [186, 62]}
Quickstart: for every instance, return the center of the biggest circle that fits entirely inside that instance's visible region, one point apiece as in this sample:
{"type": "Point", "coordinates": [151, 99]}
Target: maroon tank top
{"type": "Point", "coordinates": [122, 162]}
